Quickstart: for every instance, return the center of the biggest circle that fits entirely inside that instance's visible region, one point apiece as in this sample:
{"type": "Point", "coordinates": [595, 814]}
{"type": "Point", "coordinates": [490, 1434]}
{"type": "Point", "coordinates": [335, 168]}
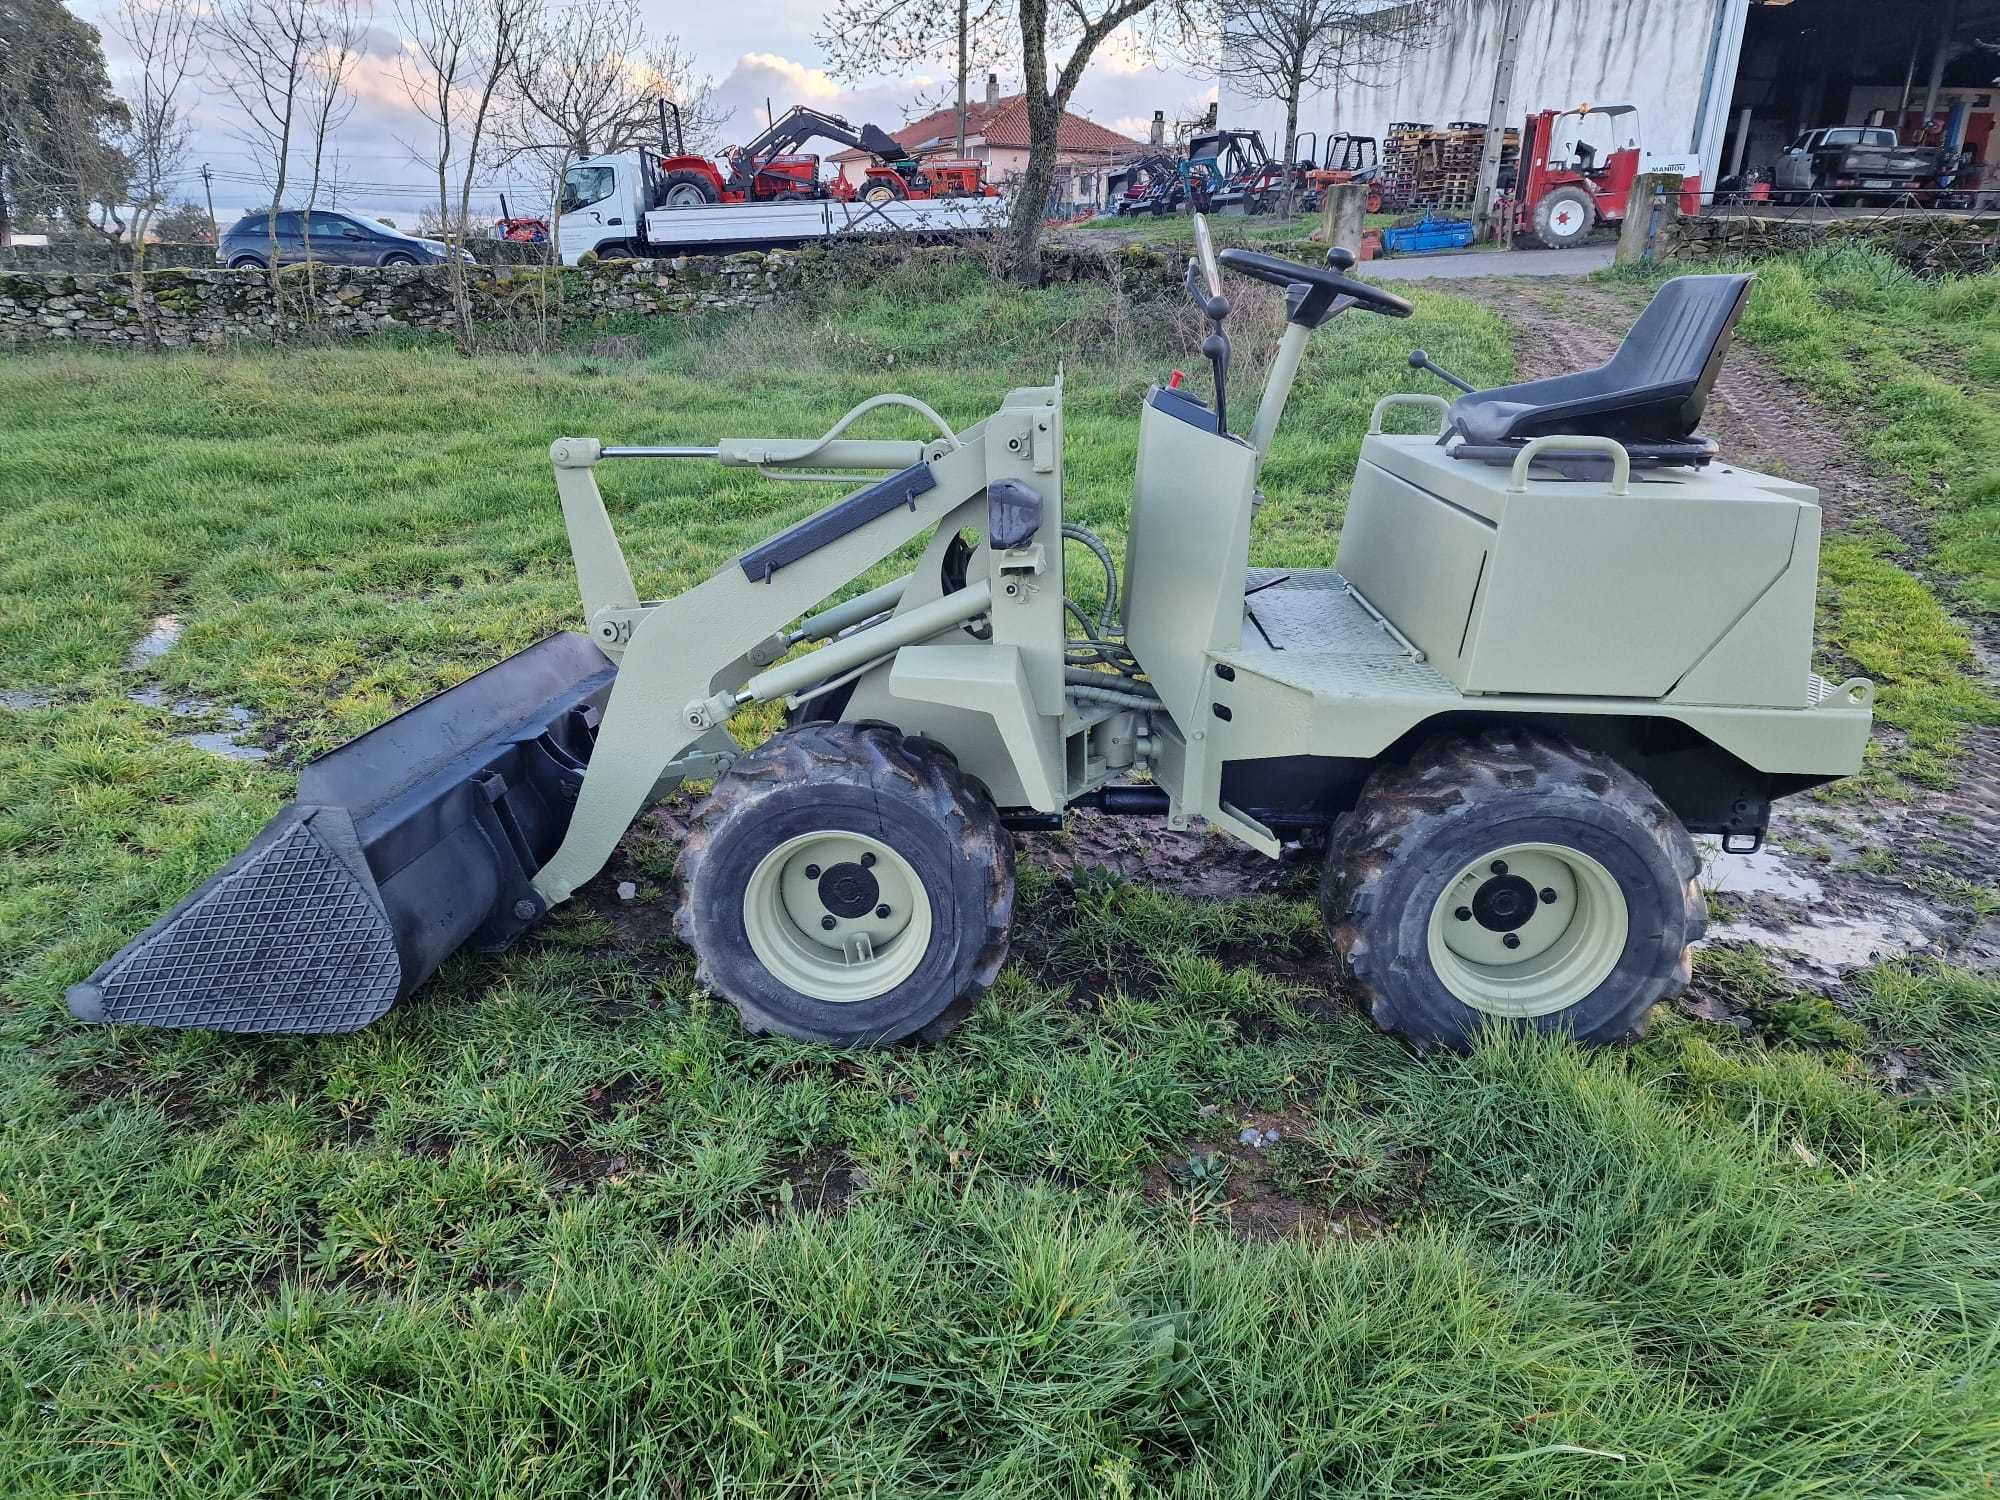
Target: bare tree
{"type": "Point", "coordinates": [162, 36]}
{"type": "Point", "coordinates": [1280, 49]}
{"type": "Point", "coordinates": [457, 54]}
{"type": "Point", "coordinates": [588, 78]}
{"type": "Point", "coordinates": [1056, 40]}
{"type": "Point", "coordinates": [328, 92]}
{"type": "Point", "coordinates": [265, 51]}
{"type": "Point", "coordinates": [863, 36]}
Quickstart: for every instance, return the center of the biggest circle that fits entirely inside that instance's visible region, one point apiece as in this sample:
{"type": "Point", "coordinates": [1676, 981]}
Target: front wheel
{"type": "Point", "coordinates": [1510, 878]}
{"type": "Point", "coordinates": [847, 884]}
{"type": "Point", "coordinates": [247, 263]}
{"type": "Point", "coordinates": [1564, 217]}
{"type": "Point", "coordinates": [399, 259]}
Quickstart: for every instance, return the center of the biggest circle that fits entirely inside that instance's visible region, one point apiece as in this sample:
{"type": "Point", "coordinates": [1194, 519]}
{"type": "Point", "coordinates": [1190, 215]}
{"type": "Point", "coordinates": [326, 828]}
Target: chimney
{"type": "Point", "coordinates": [992, 89]}
{"type": "Point", "coordinates": [1159, 133]}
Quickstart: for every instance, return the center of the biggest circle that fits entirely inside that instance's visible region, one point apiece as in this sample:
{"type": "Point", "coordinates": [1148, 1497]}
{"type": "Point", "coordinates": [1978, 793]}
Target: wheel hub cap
{"type": "Point", "coordinates": [849, 890]}
{"type": "Point", "coordinates": [839, 917]}
{"type": "Point", "coordinates": [1527, 930]}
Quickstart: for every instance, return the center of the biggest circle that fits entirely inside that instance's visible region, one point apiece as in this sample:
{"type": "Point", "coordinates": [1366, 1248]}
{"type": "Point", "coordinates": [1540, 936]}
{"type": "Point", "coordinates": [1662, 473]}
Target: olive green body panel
{"type": "Point", "coordinates": [1561, 587]}
{"type": "Point", "coordinates": [1187, 546]}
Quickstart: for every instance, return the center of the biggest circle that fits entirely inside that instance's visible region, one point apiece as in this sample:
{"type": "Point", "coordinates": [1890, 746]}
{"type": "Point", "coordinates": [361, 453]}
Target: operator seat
{"type": "Point", "coordinates": [1649, 396]}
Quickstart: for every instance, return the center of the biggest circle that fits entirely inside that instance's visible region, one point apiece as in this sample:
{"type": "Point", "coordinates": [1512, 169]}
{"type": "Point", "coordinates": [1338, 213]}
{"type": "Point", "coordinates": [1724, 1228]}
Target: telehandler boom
{"type": "Point", "coordinates": [1560, 635]}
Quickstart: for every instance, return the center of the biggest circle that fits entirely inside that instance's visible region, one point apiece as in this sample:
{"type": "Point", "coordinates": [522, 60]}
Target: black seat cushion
{"type": "Point", "coordinates": [1653, 390]}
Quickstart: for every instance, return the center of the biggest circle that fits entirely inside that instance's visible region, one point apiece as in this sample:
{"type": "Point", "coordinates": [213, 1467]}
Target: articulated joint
{"type": "Point", "coordinates": [708, 713]}
{"type": "Point", "coordinates": [575, 452]}
{"type": "Point", "coordinates": [612, 628]}
{"type": "Point", "coordinates": [769, 650]}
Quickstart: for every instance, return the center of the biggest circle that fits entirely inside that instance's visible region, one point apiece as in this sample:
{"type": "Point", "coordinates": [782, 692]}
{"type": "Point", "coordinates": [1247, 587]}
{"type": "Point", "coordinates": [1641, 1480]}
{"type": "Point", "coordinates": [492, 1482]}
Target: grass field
{"type": "Point", "coordinates": [554, 1228]}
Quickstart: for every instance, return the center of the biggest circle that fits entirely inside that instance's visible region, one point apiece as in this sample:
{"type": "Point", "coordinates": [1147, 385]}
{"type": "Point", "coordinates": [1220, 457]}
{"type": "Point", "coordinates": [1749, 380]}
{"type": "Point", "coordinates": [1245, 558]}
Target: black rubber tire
{"type": "Point", "coordinates": [1545, 232]}
{"type": "Point", "coordinates": [866, 778]}
{"type": "Point", "coordinates": [247, 263]}
{"type": "Point", "coordinates": [399, 259]}
{"type": "Point", "coordinates": [685, 178]}
{"type": "Point", "coordinates": [882, 190]}
{"type": "Point", "coordinates": [1415, 826]}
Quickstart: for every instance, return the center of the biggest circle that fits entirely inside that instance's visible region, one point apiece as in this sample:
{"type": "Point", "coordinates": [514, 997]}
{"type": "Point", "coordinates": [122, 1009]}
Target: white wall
{"type": "Point", "coordinates": [1652, 53]}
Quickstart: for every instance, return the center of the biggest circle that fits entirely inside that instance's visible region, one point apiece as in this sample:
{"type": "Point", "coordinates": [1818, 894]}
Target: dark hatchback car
{"type": "Point", "coordinates": [336, 238]}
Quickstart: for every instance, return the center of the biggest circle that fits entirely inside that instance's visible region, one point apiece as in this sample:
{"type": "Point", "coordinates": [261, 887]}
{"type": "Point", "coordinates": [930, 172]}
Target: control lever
{"type": "Point", "coordinates": [1422, 361]}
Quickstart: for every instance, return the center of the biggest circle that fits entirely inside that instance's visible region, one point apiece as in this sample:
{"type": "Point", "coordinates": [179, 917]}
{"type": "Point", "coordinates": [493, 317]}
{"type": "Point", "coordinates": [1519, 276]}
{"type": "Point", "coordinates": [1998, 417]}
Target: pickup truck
{"type": "Point", "coordinates": [1854, 161]}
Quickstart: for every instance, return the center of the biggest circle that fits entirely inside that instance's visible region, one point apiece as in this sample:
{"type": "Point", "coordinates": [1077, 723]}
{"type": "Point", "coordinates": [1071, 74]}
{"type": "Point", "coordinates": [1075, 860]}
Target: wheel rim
{"type": "Point", "coordinates": [685, 195]}
{"type": "Point", "coordinates": [837, 916]}
{"type": "Point", "coordinates": [1566, 220]}
{"type": "Point", "coordinates": [1563, 911]}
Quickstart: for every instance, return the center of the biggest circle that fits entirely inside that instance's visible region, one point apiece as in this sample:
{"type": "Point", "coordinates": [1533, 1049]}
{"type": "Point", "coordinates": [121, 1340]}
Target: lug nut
{"type": "Point", "coordinates": [812, 872]}
{"type": "Point", "coordinates": [867, 861]}
{"type": "Point", "coordinates": [1499, 867]}
{"type": "Point", "coordinates": [826, 922]}
{"type": "Point", "coordinates": [1548, 895]}
{"type": "Point", "coordinates": [1464, 914]}
{"type": "Point", "coordinates": [882, 912]}
{"type": "Point", "coordinates": [1511, 940]}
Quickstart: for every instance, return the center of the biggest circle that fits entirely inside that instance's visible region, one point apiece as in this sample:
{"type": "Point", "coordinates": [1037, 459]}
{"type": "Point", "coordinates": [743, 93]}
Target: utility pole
{"type": "Point", "coordinates": [1499, 110]}
{"type": "Point", "coordinates": [963, 17]}
{"type": "Point", "coordinates": [208, 192]}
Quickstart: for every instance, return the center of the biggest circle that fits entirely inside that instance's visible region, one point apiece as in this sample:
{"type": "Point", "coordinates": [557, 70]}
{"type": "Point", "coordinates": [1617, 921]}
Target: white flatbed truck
{"type": "Point", "coordinates": [605, 210]}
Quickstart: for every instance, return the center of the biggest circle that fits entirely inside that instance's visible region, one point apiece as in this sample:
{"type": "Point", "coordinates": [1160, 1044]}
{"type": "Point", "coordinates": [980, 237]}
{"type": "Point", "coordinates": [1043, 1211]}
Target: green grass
{"type": "Point", "coordinates": [555, 1228]}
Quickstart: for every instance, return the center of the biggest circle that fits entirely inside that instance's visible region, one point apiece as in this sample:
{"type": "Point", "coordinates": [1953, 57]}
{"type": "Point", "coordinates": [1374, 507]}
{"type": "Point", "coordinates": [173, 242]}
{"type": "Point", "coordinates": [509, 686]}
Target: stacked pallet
{"type": "Point", "coordinates": [1424, 167]}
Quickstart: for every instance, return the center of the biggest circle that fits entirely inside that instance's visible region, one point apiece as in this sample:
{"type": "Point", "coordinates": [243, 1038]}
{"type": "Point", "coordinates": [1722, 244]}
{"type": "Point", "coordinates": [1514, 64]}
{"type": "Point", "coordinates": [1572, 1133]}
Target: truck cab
{"type": "Point", "coordinates": [601, 209]}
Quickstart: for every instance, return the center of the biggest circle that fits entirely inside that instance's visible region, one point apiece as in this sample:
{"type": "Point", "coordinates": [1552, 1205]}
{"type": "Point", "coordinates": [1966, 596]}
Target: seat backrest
{"type": "Point", "coordinates": [1681, 338]}
{"type": "Point", "coordinates": [1654, 389]}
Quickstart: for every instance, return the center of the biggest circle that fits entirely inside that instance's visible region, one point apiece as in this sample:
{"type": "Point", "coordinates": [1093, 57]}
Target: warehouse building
{"type": "Point", "coordinates": [1718, 83]}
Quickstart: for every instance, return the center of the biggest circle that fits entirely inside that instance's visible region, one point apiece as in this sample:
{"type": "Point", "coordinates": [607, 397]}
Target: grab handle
{"type": "Point", "coordinates": [1410, 398]}
{"type": "Point", "coordinates": [1621, 461]}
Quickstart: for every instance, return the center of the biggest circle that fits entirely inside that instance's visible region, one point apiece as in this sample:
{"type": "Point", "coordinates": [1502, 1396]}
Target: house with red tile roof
{"type": "Point", "coordinates": [996, 133]}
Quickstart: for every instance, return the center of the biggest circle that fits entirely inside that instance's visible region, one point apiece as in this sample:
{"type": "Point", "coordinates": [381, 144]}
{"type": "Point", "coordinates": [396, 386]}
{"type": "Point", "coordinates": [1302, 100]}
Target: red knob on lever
{"type": "Point", "coordinates": [1174, 380]}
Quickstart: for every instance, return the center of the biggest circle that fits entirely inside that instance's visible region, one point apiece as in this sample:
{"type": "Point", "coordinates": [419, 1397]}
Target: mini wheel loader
{"type": "Point", "coordinates": [1560, 635]}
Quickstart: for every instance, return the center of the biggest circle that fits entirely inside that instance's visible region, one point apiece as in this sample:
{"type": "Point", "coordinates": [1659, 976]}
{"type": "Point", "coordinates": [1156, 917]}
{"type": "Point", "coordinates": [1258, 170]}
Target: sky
{"type": "Point", "coordinates": [753, 52]}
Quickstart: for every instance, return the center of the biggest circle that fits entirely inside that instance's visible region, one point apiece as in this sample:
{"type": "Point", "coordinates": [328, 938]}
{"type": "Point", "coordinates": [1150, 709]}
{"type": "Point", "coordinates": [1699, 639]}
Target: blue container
{"type": "Point", "coordinates": [1429, 233]}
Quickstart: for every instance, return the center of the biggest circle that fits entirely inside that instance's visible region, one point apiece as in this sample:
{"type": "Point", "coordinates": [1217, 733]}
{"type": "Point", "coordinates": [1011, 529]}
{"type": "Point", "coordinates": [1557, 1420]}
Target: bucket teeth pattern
{"type": "Point", "coordinates": [287, 938]}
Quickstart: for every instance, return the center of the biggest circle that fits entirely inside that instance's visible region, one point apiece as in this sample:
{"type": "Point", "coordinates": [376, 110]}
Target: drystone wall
{"type": "Point", "coordinates": [181, 307]}
{"type": "Point", "coordinates": [1931, 244]}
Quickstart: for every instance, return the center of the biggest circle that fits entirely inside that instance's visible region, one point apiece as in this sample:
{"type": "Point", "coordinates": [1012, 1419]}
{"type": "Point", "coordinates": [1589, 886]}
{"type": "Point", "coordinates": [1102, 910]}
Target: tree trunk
{"type": "Point", "coordinates": [1031, 193]}
{"type": "Point", "coordinates": [1031, 196]}
{"type": "Point", "coordinates": [1291, 154]}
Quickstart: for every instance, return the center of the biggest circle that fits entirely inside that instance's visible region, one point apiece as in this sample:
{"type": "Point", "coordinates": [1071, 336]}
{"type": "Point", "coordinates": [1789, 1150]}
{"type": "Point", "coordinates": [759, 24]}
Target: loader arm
{"type": "Point", "coordinates": [794, 128]}
{"type": "Point", "coordinates": [676, 657]}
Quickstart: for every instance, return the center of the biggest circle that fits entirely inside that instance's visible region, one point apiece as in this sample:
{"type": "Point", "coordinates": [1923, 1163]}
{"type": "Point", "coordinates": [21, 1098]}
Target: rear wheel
{"type": "Point", "coordinates": [1564, 217]}
{"type": "Point", "coordinates": [882, 190]}
{"type": "Point", "coordinates": [847, 884]}
{"type": "Point", "coordinates": [1511, 878]}
{"type": "Point", "coordinates": [686, 189]}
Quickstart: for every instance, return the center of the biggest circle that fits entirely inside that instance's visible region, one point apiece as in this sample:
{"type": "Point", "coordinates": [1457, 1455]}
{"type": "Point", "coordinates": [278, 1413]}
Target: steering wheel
{"type": "Point", "coordinates": [1322, 287]}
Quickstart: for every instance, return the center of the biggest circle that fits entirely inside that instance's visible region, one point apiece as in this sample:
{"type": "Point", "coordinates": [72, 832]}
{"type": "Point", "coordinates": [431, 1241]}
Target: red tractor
{"type": "Point", "coordinates": [1560, 201]}
{"type": "Point", "coordinates": [772, 168]}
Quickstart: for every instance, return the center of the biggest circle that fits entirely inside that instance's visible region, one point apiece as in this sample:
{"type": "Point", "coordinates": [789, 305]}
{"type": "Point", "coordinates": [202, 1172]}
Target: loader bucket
{"type": "Point", "coordinates": [405, 844]}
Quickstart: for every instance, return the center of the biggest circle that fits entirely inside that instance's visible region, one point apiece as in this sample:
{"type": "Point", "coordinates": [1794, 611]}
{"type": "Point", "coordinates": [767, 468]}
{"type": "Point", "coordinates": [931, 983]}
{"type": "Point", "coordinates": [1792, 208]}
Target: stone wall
{"type": "Point", "coordinates": [215, 308]}
{"type": "Point", "coordinates": [222, 307]}
{"type": "Point", "coordinates": [1930, 244]}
